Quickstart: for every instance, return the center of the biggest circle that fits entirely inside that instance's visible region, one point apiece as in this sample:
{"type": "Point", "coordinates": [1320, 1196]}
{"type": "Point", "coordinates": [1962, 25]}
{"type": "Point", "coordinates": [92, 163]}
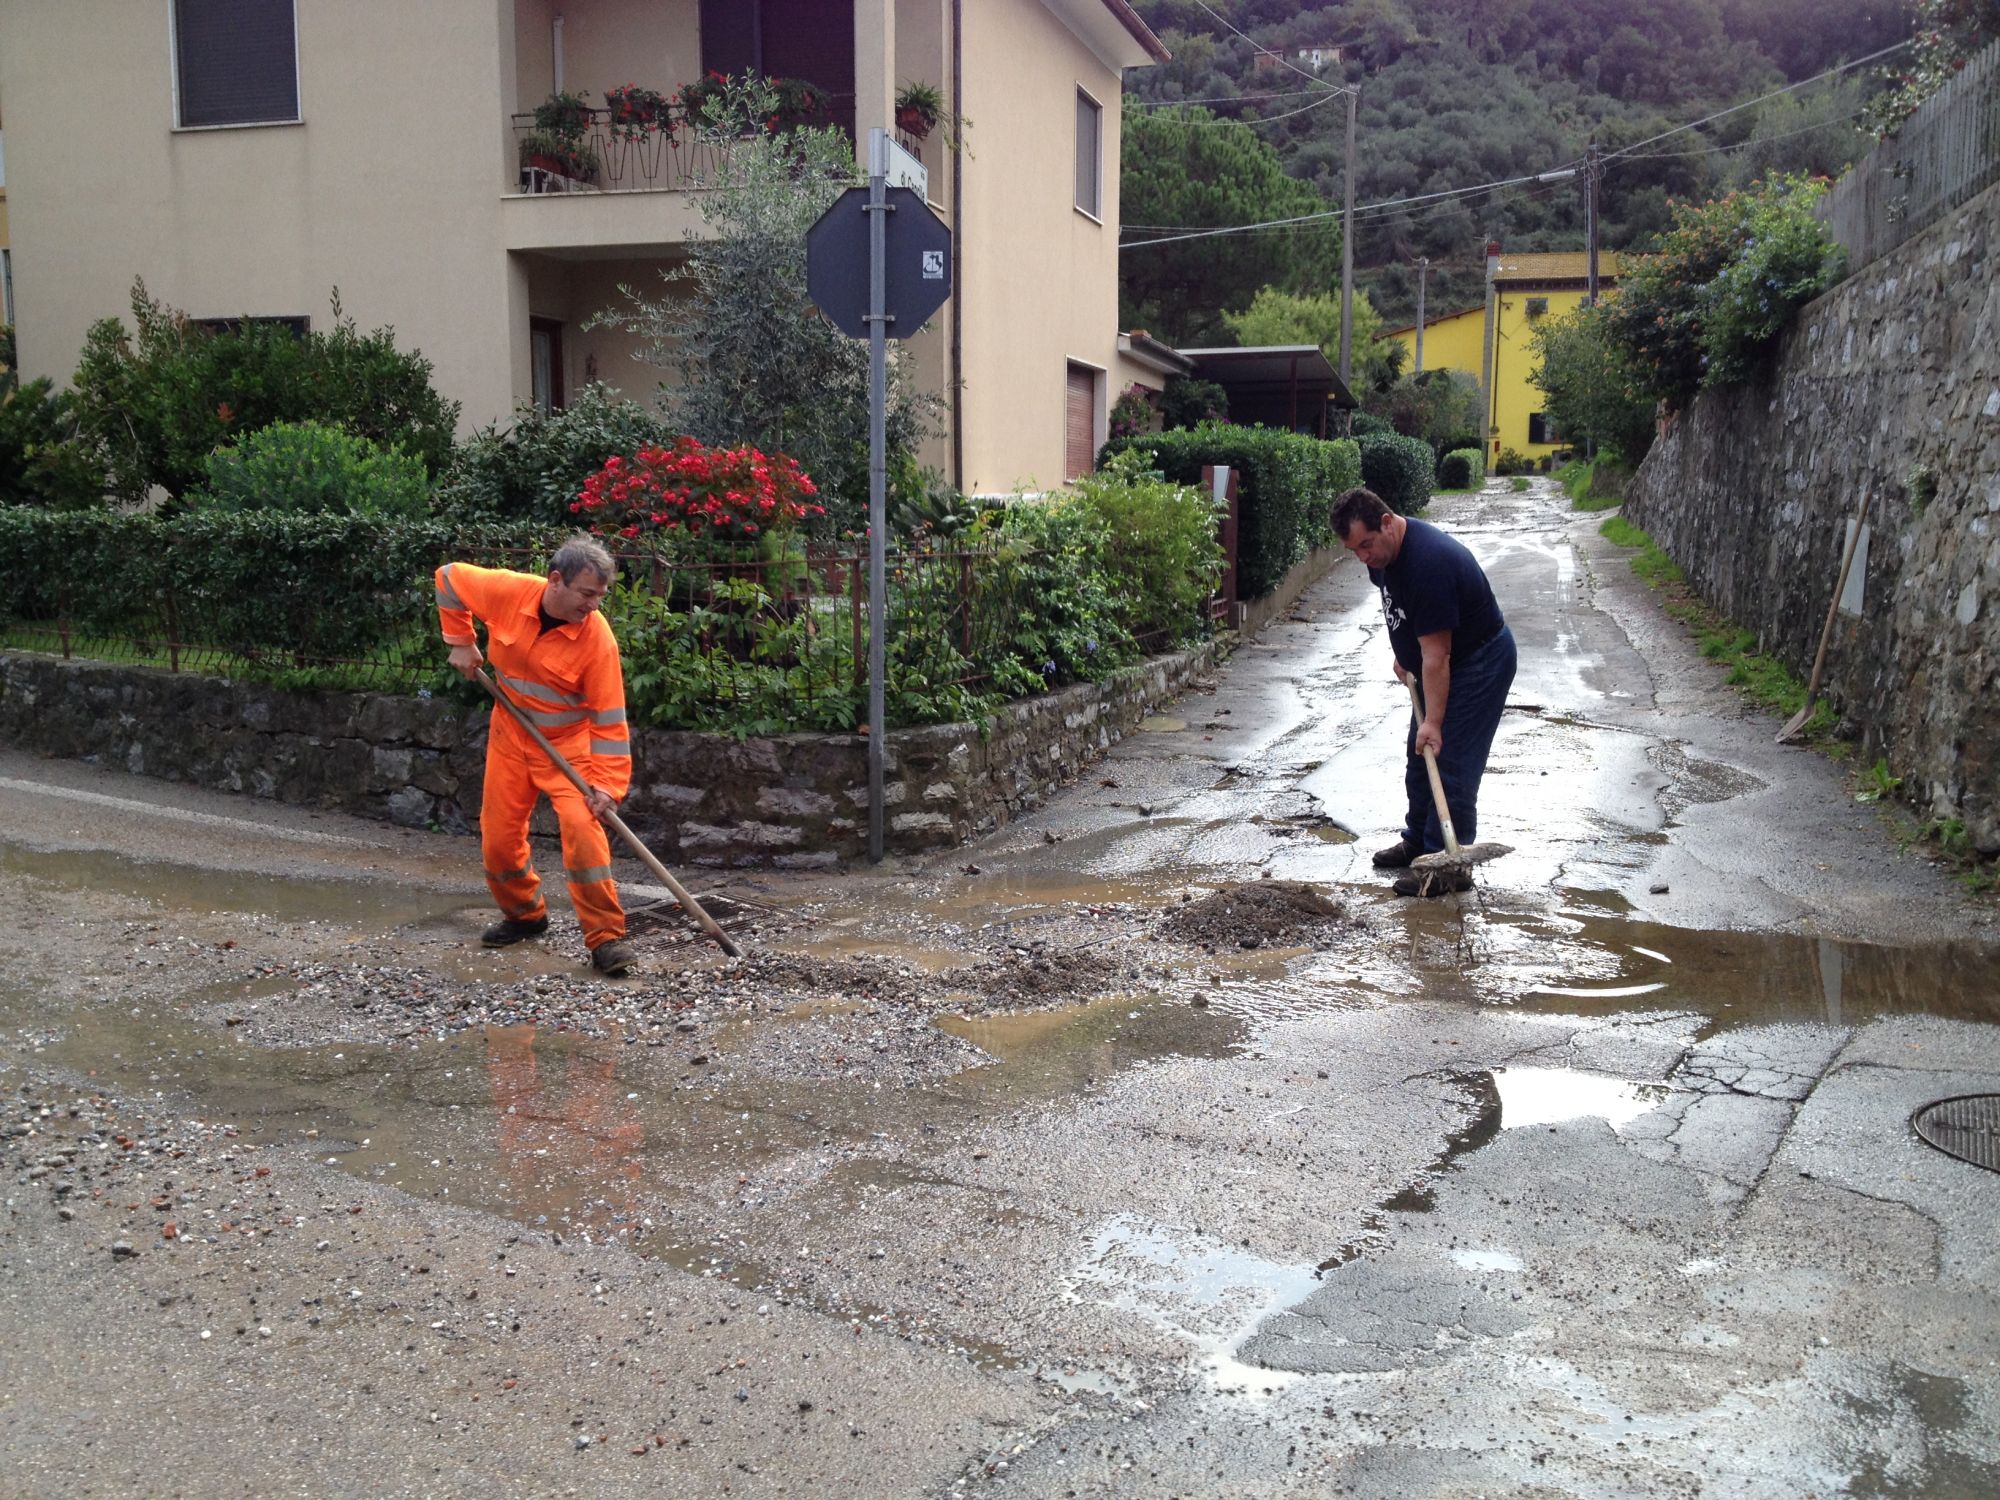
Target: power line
{"type": "Point", "coordinates": [1282, 59]}
{"type": "Point", "coordinates": [1751, 104]}
{"type": "Point", "coordinates": [1754, 140]}
{"type": "Point", "coordinates": [1216, 99]}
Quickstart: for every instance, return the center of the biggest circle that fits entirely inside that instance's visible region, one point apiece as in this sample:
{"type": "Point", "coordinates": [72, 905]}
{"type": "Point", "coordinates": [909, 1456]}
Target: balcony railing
{"type": "Point", "coordinates": [627, 158]}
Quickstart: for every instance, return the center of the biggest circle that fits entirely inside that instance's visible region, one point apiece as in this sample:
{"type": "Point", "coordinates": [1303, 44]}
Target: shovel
{"type": "Point", "coordinates": [1796, 726]}
{"type": "Point", "coordinates": [693, 907]}
{"type": "Point", "coordinates": [1454, 856]}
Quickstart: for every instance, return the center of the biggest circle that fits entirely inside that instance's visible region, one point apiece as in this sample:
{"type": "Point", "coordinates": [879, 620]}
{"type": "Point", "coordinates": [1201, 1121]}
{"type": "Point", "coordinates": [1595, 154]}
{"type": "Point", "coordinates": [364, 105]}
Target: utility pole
{"type": "Point", "coordinates": [1591, 171]}
{"type": "Point", "coordinates": [1423, 270]}
{"type": "Point", "coordinates": [1347, 252]}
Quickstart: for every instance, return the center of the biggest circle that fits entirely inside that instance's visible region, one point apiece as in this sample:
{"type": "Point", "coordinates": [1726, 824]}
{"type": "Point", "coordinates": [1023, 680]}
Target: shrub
{"type": "Point", "coordinates": [1434, 406]}
{"type": "Point", "coordinates": [1368, 424]}
{"type": "Point", "coordinates": [1132, 412]}
{"type": "Point", "coordinates": [1187, 402]}
{"type": "Point", "coordinates": [1461, 469]}
{"type": "Point", "coordinates": [157, 401]}
{"type": "Point", "coordinates": [1285, 491]}
{"type": "Point", "coordinates": [1399, 470]}
{"type": "Point", "coordinates": [279, 589]}
{"type": "Point", "coordinates": [1160, 547]}
{"type": "Point", "coordinates": [1726, 280]}
{"type": "Point", "coordinates": [535, 470]}
{"type": "Point", "coordinates": [41, 461]}
{"type": "Point", "coordinates": [1065, 608]}
{"type": "Point", "coordinates": [308, 467]}
{"type": "Point", "coordinates": [1511, 461]}
{"type": "Point", "coordinates": [693, 493]}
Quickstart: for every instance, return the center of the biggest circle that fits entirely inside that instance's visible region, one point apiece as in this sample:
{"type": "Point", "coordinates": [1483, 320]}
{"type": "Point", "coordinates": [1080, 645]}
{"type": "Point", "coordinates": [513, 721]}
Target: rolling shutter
{"type": "Point", "coordinates": [237, 61]}
{"type": "Point", "coordinates": [1080, 425]}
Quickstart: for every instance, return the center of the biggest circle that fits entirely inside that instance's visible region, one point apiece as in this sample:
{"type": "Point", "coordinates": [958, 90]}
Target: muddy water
{"type": "Point", "coordinates": [186, 887]}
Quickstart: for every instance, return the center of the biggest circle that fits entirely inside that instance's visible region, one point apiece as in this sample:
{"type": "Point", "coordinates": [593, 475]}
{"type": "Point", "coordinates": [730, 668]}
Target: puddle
{"type": "Point", "coordinates": [1158, 725]}
{"type": "Point", "coordinates": [1486, 1260]}
{"type": "Point", "coordinates": [182, 887]}
{"type": "Point", "coordinates": [1548, 1096]}
{"type": "Point", "coordinates": [1599, 965]}
{"type": "Point", "coordinates": [1210, 1293]}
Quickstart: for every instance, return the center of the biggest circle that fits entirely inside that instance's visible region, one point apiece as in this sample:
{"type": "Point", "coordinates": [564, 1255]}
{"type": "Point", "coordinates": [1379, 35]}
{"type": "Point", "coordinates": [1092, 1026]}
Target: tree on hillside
{"type": "Point", "coordinates": [1186, 170]}
{"type": "Point", "coordinates": [1275, 317]}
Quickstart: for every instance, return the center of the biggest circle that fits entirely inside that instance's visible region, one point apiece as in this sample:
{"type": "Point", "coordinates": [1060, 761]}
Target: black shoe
{"type": "Point", "coordinates": [1433, 882]}
{"type": "Point", "coordinates": [612, 958]}
{"type": "Point", "coordinates": [506, 932]}
{"type": "Point", "coordinates": [1398, 855]}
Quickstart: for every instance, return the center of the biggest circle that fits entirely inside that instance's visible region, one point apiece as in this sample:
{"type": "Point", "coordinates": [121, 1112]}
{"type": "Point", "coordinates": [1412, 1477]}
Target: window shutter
{"type": "Point", "coordinates": [1088, 116]}
{"type": "Point", "coordinates": [237, 61]}
{"type": "Point", "coordinates": [1080, 426]}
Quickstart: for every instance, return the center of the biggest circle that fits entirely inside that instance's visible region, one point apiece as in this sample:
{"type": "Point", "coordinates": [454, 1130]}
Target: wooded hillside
{"type": "Point", "coordinates": [1460, 92]}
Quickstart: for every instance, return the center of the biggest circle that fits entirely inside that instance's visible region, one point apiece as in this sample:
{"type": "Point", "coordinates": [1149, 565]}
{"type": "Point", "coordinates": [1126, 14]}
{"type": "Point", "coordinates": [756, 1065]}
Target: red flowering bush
{"type": "Point", "coordinates": [702, 493]}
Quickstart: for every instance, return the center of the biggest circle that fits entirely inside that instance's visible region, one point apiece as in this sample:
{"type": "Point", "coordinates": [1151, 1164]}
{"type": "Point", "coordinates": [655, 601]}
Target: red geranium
{"type": "Point", "coordinates": [720, 494]}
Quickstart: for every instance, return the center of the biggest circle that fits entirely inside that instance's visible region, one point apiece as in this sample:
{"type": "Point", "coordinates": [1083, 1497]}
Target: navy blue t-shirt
{"type": "Point", "coordinates": [1434, 584]}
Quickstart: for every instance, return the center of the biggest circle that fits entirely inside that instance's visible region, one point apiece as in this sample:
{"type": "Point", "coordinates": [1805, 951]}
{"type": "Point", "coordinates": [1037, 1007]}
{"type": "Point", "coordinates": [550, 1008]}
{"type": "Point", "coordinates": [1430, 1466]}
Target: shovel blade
{"type": "Point", "coordinates": [1795, 727]}
{"type": "Point", "coordinates": [1468, 854]}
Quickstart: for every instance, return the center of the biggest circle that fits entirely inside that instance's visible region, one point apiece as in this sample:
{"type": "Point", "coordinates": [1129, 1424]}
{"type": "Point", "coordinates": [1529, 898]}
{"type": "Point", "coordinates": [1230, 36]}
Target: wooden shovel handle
{"type": "Point", "coordinates": [1437, 782]}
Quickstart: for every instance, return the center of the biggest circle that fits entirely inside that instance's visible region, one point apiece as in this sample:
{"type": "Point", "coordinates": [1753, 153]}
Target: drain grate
{"type": "Point", "coordinates": [1967, 1127]}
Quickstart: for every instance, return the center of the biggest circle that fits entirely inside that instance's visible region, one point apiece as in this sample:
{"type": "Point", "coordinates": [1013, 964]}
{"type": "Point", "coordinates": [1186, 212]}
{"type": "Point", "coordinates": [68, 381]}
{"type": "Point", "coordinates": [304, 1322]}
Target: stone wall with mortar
{"type": "Point", "coordinates": [1888, 385]}
{"type": "Point", "coordinates": [792, 800]}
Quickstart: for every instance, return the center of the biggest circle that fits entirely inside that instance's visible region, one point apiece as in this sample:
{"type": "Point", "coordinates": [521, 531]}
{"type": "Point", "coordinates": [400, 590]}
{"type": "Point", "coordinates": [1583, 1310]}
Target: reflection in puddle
{"type": "Point", "coordinates": [1188, 1284]}
{"type": "Point", "coordinates": [1596, 965]}
{"type": "Point", "coordinates": [1546, 1096]}
{"type": "Point", "coordinates": [1486, 1260]}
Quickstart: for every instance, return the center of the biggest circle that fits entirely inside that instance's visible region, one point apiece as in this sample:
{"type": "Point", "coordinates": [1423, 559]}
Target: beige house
{"type": "Point", "coordinates": [246, 157]}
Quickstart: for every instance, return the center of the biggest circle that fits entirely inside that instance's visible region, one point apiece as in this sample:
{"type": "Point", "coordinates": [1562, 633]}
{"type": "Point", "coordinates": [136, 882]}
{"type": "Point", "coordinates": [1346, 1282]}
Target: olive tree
{"type": "Point", "coordinates": [754, 360]}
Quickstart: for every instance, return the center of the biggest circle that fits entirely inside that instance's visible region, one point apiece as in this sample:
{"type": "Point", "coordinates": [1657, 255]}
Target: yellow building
{"type": "Point", "coordinates": [1521, 291]}
{"type": "Point", "coordinates": [264, 152]}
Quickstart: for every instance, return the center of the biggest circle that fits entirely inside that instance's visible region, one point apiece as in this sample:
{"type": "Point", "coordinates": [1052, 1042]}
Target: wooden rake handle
{"type": "Point", "coordinates": [1437, 782]}
{"type": "Point", "coordinates": [687, 901]}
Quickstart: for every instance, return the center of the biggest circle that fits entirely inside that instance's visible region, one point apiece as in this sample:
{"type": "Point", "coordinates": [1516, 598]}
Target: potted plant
{"type": "Point", "coordinates": [560, 140]}
{"type": "Point", "coordinates": [635, 112]}
{"type": "Point", "coordinates": [919, 107]}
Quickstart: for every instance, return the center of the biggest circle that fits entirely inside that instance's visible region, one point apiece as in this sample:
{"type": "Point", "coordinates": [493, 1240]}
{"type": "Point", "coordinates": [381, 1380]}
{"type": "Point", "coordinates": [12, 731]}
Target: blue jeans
{"type": "Point", "coordinates": [1479, 686]}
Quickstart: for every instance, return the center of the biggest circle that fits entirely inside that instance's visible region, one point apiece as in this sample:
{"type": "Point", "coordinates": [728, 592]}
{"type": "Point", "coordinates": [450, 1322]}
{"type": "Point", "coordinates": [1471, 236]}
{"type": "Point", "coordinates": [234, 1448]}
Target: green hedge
{"type": "Point", "coordinates": [1462, 469]}
{"type": "Point", "coordinates": [1286, 488]}
{"type": "Point", "coordinates": [1399, 470]}
{"type": "Point", "coordinates": [265, 586]}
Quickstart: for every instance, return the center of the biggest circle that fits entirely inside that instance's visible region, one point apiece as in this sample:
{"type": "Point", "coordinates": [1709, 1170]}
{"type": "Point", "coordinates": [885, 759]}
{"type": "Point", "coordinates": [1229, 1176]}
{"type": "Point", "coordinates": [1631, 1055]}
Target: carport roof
{"type": "Point", "coordinates": [1275, 366]}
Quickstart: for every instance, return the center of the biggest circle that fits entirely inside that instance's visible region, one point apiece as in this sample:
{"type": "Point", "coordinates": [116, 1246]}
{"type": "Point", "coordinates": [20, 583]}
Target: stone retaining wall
{"type": "Point", "coordinates": [788, 800]}
{"type": "Point", "coordinates": [1890, 383]}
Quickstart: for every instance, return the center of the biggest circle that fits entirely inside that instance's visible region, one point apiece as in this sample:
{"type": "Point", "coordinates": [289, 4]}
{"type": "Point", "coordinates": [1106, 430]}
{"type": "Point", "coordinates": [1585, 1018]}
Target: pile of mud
{"type": "Point", "coordinates": [1266, 914]}
{"type": "Point", "coordinates": [1039, 976]}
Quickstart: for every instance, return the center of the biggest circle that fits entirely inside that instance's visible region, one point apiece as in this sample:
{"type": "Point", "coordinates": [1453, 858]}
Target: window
{"type": "Point", "coordinates": [236, 62]}
{"type": "Point", "coordinates": [1537, 306]}
{"type": "Point", "coordinates": [1089, 150]}
{"type": "Point", "coordinates": [545, 364]}
{"type": "Point", "coordinates": [1080, 423]}
{"type": "Point", "coordinates": [1539, 428]}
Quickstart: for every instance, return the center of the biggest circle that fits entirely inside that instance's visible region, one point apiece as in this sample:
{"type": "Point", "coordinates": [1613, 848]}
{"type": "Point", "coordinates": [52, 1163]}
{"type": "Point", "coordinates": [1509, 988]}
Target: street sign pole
{"type": "Point", "coordinates": [878, 475]}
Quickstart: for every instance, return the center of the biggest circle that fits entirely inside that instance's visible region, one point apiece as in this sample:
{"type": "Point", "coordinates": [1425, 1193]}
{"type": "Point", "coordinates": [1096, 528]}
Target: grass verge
{"type": "Point", "coordinates": [1596, 485]}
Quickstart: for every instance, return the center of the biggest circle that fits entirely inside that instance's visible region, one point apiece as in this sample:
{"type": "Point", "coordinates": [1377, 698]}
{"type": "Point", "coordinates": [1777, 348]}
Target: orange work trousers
{"type": "Point", "coordinates": [513, 781]}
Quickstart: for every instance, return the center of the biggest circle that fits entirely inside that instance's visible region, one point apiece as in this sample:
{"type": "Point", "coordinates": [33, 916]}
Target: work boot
{"type": "Point", "coordinates": [508, 931]}
{"type": "Point", "coordinates": [1398, 855]}
{"type": "Point", "coordinates": [1433, 882]}
{"type": "Point", "coordinates": [612, 958]}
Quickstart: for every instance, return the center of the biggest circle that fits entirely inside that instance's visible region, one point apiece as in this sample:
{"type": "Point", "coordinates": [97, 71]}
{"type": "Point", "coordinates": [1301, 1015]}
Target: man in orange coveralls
{"type": "Point", "coordinates": [554, 656]}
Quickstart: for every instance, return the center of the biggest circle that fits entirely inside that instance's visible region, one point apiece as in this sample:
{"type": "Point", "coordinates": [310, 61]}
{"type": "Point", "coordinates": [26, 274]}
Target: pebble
{"type": "Point", "coordinates": [122, 1250]}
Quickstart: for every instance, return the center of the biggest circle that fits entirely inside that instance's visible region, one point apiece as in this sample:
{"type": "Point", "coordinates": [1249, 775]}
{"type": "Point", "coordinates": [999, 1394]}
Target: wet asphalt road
{"type": "Point", "coordinates": [1596, 1182]}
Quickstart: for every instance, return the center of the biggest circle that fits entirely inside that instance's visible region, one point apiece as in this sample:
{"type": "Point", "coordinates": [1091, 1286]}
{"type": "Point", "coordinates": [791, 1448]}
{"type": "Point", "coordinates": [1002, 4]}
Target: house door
{"type": "Point", "coordinates": [545, 363]}
{"type": "Point", "coordinates": [1080, 423]}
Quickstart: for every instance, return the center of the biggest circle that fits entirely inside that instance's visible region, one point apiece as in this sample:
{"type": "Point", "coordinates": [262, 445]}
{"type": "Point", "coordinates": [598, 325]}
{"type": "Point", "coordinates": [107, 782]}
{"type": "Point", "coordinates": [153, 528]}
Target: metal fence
{"type": "Point", "coordinates": [1942, 155]}
{"type": "Point", "coordinates": [706, 641]}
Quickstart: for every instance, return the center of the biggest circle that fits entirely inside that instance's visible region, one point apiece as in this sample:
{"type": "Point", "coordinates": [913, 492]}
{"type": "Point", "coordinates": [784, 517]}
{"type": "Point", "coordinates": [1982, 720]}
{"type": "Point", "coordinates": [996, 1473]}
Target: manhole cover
{"type": "Point", "coordinates": [1967, 1127]}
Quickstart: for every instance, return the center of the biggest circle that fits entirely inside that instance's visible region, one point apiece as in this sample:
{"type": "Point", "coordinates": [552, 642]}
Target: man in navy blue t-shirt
{"type": "Point", "coordinates": [1450, 639]}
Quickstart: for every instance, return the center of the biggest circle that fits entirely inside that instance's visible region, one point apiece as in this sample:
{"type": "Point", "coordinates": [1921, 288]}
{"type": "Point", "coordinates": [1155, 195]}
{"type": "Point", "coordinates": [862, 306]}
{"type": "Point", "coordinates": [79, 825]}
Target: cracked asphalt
{"type": "Point", "coordinates": [1000, 1172]}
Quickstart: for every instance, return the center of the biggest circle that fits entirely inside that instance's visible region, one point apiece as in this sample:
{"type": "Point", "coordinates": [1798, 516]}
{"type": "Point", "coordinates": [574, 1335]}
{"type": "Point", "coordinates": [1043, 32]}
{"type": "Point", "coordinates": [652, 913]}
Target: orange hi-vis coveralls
{"type": "Point", "coordinates": [569, 683]}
